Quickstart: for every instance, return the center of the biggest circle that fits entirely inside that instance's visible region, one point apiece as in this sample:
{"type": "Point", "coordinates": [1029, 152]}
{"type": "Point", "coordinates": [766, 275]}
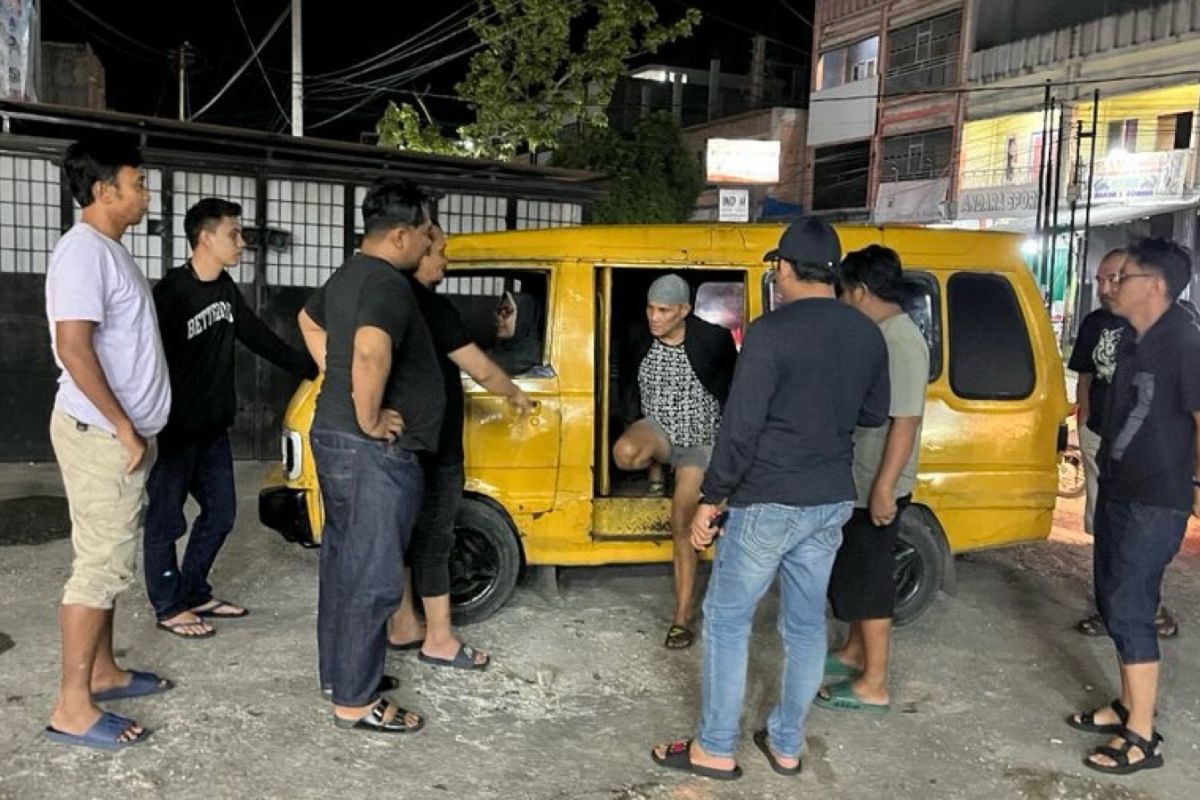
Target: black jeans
{"type": "Point", "coordinates": [205, 471]}
{"type": "Point", "coordinates": [372, 491]}
{"type": "Point", "coordinates": [1134, 544]}
{"type": "Point", "coordinates": [433, 535]}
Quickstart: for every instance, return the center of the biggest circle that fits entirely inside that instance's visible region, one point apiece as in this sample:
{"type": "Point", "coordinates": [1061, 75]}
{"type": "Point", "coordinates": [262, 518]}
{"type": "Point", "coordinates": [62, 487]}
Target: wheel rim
{"type": "Point", "coordinates": [908, 572]}
{"type": "Point", "coordinates": [474, 566]}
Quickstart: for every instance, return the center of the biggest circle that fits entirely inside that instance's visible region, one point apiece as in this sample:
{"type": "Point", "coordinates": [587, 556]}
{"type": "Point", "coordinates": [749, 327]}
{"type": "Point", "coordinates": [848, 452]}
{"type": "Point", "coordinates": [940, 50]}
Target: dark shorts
{"type": "Point", "coordinates": [1134, 545]}
{"type": "Point", "coordinates": [861, 585]}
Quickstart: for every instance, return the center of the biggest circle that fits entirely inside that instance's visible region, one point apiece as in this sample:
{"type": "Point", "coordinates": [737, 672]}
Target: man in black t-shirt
{"type": "Point", "coordinates": [201, 313]}
{"type": "Point", "coordinates": [1149, 484]}
{"type": "Point", "coordinates": [433, 534]}
{"type": "Point", "coordinates": [379, 410]}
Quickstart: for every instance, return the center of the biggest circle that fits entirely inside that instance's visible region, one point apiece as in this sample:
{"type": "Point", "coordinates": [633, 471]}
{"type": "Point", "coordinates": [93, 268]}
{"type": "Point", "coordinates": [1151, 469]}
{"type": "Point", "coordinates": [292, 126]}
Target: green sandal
{"type": "Point", "coordinates": [841, 697]}
{"type": "Point", "coordinates": [834, 668]}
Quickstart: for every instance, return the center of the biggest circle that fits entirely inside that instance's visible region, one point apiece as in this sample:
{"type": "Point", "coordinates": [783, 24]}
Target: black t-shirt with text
{"type": "Point", "coordinates": [368, 292]}
{"type": "Point", "coordinates": [1095, 354]}
{"type": "Point", "coordinates": [1148, 452]}
{"type": "Point", "coordinates": [199, 322]}
{"type": "Point", "coordinates": [449, 334]}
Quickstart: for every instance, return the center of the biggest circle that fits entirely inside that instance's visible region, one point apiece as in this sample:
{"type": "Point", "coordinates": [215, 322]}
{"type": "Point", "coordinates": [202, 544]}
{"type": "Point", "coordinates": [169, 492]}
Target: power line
{"type": "Point", "coordinates": [798, 15]}
{"type": "Point", "coordinates": [253, 56]}
{"type": "Point", "coordinates": [744, 29]}
{"type": "Point", "coordinates": [118, 32]}
{"type": "Point", "coordinates": [263, 70]}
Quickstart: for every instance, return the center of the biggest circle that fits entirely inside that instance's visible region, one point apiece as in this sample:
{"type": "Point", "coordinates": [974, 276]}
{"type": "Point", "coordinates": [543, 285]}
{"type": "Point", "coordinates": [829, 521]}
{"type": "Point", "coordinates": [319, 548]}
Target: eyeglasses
{"type": "Point", "coordinates": [1120, 277]}
{"type": "Point", "coordinates": [504, 311]}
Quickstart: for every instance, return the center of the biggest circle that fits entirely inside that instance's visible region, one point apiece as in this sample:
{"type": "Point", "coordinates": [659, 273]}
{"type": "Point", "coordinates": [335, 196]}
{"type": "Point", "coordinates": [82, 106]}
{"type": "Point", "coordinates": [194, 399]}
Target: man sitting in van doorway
{"type": "Point", "coordinates": [1094, 360]}
{"type": "Point", "coordinates": [685, 367]}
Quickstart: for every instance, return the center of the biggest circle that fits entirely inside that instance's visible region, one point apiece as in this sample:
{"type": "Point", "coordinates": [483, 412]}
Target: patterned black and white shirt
{"type": "Point", "coordinates": [674, 397]}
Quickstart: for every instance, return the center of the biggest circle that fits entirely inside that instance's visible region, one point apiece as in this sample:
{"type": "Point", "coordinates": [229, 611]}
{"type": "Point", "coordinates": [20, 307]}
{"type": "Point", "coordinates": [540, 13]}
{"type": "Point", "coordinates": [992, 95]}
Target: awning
{"type": "Point", "coordinates": [1101, 215]}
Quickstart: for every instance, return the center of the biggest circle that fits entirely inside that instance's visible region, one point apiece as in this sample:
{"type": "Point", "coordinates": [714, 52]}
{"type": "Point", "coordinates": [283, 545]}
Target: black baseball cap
{"type": "Point", "coordinates": [808, 240]}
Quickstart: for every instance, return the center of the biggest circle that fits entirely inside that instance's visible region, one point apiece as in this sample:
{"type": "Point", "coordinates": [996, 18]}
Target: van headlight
{"type": "Point", "coordinates": [293, 454]}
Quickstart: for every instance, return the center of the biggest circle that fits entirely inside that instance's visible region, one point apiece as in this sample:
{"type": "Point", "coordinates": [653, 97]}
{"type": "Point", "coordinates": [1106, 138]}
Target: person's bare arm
{"type": "Point", "coordinates": [79, 359]}
{"type": "Point", "coordinates": [1083, 385]}
{"type": "Point", "coordinates": [369, 370]}
{"type": "Point", "coordinates": [901, 439]}
{"type": "Point", "coordinates": [488, 374]}
{"type": "Point", "coordinates": [315, 338]}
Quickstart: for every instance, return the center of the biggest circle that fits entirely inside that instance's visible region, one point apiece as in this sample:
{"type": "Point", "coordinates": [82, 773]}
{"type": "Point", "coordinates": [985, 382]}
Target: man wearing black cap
{"type": "Point", "coordinates": [683, 367]}
{"type": "Point", "coordinates": [808, 374]}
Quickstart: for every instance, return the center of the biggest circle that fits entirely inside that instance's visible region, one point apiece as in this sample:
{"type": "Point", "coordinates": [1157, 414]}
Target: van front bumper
{"type": "Point", "coordinates": [284, 509]}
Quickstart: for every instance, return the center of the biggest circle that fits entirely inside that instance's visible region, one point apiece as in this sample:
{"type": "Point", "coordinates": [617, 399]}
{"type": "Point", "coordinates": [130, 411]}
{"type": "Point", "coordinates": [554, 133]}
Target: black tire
{"type": "Point", "coordinates": [919, 566]}
{"type": "Point", "coordinates": [1072, 480]}
{"type": "Point", "coordinates": [485, 563]}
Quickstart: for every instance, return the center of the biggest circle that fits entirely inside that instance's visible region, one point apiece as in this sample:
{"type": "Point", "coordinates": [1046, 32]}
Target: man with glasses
{"type": "Point", "coordinates": [1149, 484]}
{"type": "Point", "coordinates": [1094, 360]}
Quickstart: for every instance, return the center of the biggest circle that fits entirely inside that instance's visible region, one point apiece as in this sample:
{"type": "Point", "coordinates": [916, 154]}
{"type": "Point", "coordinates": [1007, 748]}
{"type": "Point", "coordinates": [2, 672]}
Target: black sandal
{"type": "Point", "coordinates": [1091, 626]}
{"type": "Point", "coordinates": [1086, 720]}
{"type": "Point", "coordinates": [1165, 624]}
{"type": "Point", "coordinates": [1152, 759]}
{"type": "Point", "coordinates": [374, 720]}
{"type": "Point", "coordinates": [678, 755]}
{"type": "Point", "coordinates": [679, 637]}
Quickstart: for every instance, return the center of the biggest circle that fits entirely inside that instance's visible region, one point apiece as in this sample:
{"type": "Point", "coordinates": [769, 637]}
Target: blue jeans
{"type": "Point", "coordinates": [799, 544]}
{"type": "Point", "coordinates": [372, 490]}
{"type": "Point", "coordinates": [1134, 544]}
{"type": "Point", "coordinates": [205, 471]}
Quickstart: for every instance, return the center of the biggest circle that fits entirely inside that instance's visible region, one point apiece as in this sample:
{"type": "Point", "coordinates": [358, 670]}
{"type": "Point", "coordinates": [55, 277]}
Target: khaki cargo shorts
{"type": "Point", "coordinates": [108, 510]}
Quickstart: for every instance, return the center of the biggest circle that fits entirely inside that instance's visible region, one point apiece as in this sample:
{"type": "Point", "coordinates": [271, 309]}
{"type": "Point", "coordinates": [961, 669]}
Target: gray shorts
{"type": "Point", "coordinates": [697, 456]}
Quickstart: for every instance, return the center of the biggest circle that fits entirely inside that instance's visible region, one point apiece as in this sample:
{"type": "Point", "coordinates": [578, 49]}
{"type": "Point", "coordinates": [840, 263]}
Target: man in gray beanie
{"type": "Point", "coordinates": [683, 367]}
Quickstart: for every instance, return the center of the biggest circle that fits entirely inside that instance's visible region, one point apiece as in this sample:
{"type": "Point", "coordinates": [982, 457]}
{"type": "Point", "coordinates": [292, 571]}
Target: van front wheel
{"type": "Point", "coordinates": [918, 568]}
{"type": "Point", "coordinates": [485, 562]}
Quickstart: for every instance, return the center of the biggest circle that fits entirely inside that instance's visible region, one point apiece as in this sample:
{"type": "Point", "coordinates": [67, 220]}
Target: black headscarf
{"type": "Point", "coordinates": [524, 350]}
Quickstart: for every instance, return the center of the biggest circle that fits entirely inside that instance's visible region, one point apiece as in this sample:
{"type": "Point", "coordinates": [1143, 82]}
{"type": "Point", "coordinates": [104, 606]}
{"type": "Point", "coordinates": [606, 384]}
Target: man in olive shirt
{"type": "Point", "coordinates": [379, 409]}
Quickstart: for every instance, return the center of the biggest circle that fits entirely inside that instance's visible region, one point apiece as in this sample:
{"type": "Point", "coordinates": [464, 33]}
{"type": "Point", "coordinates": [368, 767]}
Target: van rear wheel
{"type": "Point", "coordinates": [484, 564]}
{"type": "Point", "coordinates": [918, 566]}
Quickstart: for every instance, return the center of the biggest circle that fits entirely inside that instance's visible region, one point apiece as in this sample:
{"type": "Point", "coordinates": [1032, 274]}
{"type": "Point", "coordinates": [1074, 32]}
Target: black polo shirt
{"type": "Point", "coordinates": [369, 292]}
{"type": "Point", "coordinates": [1148, 452]}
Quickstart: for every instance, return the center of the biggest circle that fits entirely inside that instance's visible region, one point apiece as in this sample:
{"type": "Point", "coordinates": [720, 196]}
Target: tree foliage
{"type": "Point", "coordinates": [542, 64]}
{"type": "Point", "coordinates": [654, 179]}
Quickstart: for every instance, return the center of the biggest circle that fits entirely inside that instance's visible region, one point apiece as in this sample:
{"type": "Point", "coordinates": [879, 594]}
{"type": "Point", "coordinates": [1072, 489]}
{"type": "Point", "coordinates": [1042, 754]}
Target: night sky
{"type": "Point", "coordinates": [135, 39]}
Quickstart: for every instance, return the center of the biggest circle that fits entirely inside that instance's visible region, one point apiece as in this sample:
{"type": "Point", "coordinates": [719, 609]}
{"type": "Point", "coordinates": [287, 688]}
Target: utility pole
{"type": "Point", "coordinates": [758, 68]}
{"type": "Point", "coordinates": [297, 72]}
{"type": "Point", "coordinates": [183, 59]}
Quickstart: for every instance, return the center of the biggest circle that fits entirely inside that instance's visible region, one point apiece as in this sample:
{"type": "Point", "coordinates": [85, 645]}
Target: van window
{"type": "Point", "coordinates": [924, 306]}
{"type": "Point", "coordinates": [990, 354]}
{"type": "Point", "coordinates": [485, 299]}
{"type": "Point", "coordinates": [723, 304]}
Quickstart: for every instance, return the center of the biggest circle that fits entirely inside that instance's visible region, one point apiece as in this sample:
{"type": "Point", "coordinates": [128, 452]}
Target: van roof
{"type": "Point", "coordinates": [695, 244]}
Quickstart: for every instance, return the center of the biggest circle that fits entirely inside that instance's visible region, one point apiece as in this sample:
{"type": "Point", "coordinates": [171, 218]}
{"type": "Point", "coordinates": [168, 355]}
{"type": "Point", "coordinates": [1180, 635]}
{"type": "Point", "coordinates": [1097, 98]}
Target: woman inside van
{"type": "Point", "coordinates": [518, 347]}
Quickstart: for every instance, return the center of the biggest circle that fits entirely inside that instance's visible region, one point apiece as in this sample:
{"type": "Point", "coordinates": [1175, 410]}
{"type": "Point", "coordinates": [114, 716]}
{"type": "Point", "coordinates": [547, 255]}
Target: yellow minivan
{"type": "Point", "coordinates": [542, 490]}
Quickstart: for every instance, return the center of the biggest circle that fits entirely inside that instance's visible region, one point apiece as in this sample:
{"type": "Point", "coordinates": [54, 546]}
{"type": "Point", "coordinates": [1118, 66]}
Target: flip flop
{"type": "Point", "coordinates": [463, 659]}
{"type": "Point", "coordinates": [679, 637]}
{"type": "Point", "coordinates": [760, 739]}
{"type": "Point", "coordinates": [834, 668]}
{"type": "Point", "coordinates": [841, 697]}
{"type": "Point", "coordinates": [105, 734]}
{"type": "Point", "coordinates": [211, 613]}
{"type": "Point", "coordinates": [373, 720]}
{"type": "Point", "coordinates": [679, 756]}
{"type": "Point", "coordinates": [173, 629]}
{"type": "Point", "coordinates": [413, 645]}
{"type": "Point", "coordinates": [140, 685]}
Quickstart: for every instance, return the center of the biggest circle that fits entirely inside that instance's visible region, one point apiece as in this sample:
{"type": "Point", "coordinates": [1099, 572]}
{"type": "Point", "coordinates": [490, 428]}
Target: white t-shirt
{"type": "Point", "coordinates": [92, 277]}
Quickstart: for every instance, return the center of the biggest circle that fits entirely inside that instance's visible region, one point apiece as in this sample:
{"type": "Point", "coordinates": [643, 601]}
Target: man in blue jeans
{"type": "Point", "coordinates": [201, 314]}
{"type": "Point", "coordinates": [782, 465]}
{"type": "Point", "coordinates": [1149, 483]}
{"type": "Point", "coordinates": [380, 409]}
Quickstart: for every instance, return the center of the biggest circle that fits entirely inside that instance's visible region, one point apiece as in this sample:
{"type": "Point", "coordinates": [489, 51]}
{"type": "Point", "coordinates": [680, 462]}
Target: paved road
{"type": "Point", "coordinates": [581, 688]}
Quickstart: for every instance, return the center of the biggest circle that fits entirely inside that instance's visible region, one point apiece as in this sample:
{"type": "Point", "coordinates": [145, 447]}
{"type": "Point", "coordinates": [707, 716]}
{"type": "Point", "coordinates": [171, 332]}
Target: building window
{"type": "Point", "coordinates": [1174, 131]}
{"type": "Point", "coordinates": [918, 156]}
{"type": "Point", "coordinates": [1122, 135]}
{"type": "Point", "coordinates": [840, 175]}
{"type": "Point", "coordinates": [924, 55]}
{"type": "Point", "coordinates": [854, 62]}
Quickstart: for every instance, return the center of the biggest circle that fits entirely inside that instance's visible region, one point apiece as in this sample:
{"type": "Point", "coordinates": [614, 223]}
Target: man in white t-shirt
{"type": "Point", "coordinates": [114, 395]}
